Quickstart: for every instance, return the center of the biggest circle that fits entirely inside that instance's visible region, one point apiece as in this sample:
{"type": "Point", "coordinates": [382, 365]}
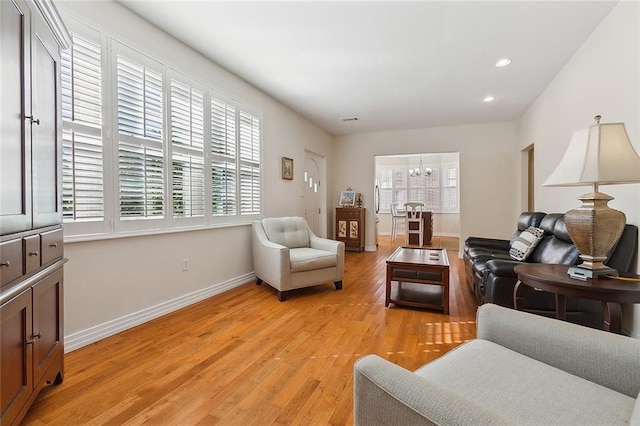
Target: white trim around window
{"type": "Point", "coordinates": [174, 153]}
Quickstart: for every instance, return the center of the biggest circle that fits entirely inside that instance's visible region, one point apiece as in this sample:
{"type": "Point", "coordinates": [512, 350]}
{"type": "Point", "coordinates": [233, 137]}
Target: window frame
{"type": "Point", "coordinates": [402, 187]}
{"type": "Point", "coordinates": [114, 226]}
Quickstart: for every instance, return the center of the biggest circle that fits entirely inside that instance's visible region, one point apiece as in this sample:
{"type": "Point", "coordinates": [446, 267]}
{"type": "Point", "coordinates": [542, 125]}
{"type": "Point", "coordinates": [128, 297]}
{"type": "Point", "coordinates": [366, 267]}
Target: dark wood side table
{"type": "Point", "coordinates": [554, 279]}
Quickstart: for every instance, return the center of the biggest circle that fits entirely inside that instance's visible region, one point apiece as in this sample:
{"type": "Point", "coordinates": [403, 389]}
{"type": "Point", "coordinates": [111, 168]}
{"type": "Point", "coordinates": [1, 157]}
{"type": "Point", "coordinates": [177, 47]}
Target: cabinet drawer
{"type": "Point", "coordinates": [52, 246]}
{"type": "Point", "coordinates": [10, 261]}
{"type": "Point", "coordinates": [31, 246]}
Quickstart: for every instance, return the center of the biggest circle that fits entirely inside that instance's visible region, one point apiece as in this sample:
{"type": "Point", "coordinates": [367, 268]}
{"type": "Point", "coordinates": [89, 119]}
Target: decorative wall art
{"type": "Point", "coordinates": [347, 198]}
{"type": "Point", "coordinates": [287, 168]}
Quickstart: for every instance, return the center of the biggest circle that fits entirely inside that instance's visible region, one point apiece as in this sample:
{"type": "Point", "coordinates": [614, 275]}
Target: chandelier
{"type": "Point", "coordinates": [419, 170]}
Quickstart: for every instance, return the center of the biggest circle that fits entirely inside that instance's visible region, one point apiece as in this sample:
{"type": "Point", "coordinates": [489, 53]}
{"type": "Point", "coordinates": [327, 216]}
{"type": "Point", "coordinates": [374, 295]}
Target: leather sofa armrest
{"type": "Point", "coordinates": [502, 267]}
{"type": "Point", "coordinates": [488, 243]}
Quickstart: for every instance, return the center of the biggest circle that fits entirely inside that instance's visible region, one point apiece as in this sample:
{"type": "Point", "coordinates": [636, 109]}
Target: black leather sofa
{"type": "Point", "coordinates": [490, 270]}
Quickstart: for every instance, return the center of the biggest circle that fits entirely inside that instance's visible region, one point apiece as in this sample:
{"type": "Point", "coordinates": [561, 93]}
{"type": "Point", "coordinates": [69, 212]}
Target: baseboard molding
{"type": "Point", "coordinates": [91, 335]}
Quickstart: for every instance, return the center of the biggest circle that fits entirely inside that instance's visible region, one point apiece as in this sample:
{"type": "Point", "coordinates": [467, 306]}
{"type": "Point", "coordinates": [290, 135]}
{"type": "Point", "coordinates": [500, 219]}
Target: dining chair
{"type": "Point", "coordinates": [414, 215]}
{"type": "Point", "coordinates": [398, 219]}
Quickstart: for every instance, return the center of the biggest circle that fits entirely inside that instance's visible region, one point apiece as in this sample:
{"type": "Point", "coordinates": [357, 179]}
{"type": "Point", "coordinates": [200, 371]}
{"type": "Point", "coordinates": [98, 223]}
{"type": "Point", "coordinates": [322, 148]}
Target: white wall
{"type": "Point", "coordinates": [489, 167]}
{"type": "Point", "coordinates": [601, 78]}
{"type": "Point", "coordinates": [114, 283]}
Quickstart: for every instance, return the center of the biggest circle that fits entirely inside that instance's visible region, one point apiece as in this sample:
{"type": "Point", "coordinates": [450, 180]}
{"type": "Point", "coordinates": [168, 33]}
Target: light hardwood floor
{"type": "Point", "coordinates": [243, 358]}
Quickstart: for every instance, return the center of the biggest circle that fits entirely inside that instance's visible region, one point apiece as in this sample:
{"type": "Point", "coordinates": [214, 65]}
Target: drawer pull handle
{"type": "Point", "coordinates": [33, 119]}
{"type": "Point", "coordinates": [37, 335]}
{"type": "Point", "coordinates": [54, 245]}
{"type": "Point", "coordinates": [5, 264]}
{"type": "Point", "coordinates": [34, 253]}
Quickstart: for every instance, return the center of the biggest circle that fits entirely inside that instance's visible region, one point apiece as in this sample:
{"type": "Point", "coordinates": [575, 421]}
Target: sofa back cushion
{"type": "Point", "coordinates": [525, 220]}
{"type": "Point", "coordinates": [288, 231]}
{"type": "Point", "coordinates": [556, 248]}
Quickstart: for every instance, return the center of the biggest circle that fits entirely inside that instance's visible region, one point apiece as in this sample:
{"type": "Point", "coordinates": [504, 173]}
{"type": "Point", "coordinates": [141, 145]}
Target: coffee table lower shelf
{"type": "Point", "coordinates": [418, 295]}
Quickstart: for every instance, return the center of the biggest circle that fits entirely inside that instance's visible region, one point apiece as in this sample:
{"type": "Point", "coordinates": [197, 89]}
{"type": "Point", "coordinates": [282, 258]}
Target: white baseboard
{"type": "Point", "coordinates": [91, 335]}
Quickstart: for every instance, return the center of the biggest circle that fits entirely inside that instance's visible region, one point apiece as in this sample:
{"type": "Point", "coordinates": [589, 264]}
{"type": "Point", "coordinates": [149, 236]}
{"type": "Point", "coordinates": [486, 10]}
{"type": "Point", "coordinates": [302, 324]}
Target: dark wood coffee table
{"type": "Point", "coordinates": [422, 276]}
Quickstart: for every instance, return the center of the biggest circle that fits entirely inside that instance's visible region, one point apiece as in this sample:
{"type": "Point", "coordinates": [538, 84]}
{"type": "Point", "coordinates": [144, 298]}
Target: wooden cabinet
{"type": "Point", "coordinates": [32, 345]}
{"type": "Point", "coordinates": [31, 245]}
{"type": "Point", "coordinates": [350, 227]}
{"type": "Point", "coordinates": [427, 229]}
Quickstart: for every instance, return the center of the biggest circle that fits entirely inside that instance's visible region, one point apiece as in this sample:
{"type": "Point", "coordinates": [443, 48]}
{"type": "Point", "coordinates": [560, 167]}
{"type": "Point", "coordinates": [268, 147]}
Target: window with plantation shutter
{"type": "Point", "coordinates": [249, 141]}
{"type": "Point", "coordinates": [139, 106]}
{"type": "Point", "coordinates": [147, 148]}
{"type": "Point", "coordinates": [82, 148]}
{"type": "Point", "coordinates": [187, 140]}
{"type": "Point", "coordinates": [223, 155]}
{"type": "Point", "coordinates": [437, 190]}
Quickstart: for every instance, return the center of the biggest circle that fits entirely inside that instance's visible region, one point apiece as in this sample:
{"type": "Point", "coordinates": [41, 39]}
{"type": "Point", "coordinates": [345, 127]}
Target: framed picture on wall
{"type": "Point", "coordinates": [287, 168]}
{"type": "Point", "coordinates": [347, 198]}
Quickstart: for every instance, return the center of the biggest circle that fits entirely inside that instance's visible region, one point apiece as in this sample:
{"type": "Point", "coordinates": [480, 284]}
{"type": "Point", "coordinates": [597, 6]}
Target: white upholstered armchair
{"type": "Point", "coordinates": [287, 255]}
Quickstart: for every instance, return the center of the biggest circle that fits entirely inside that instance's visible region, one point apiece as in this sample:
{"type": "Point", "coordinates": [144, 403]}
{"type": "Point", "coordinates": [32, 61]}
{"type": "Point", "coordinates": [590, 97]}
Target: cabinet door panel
{"type": "Point", "coordinates": [15, 354]}
{"type": "Point", "coordinates": [47, 322]}
{"type": "Point", "coordinates": [44, 131]}
{"type": "Point", "coordinates": [15, 174]}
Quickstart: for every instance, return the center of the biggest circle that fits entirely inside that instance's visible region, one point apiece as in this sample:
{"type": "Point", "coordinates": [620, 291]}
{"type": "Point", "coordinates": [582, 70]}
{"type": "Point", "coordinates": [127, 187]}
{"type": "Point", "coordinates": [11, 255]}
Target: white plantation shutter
{"type": "Point", "coordinates": [223, 154]}
{"type": "Point", "coordinates": [139, 106]}
{"type": "Point", "coordinates": [187, 139]}
{"type": "Point", "coordinates": [438, 192]}
{"type": "Point", "coordinates": [188, 185]}
{"type": "Point", "coordinates": [223, 188]}
{"type": "Point", "coordinates": [82, 176]}
{"type": "Point", "coordinates": [148, 149]}
{"type": "Point", "coordinates": [141, 181]}
{"type": "Point", "coordinates": [82, 148]}
{"type": "Point", "coordinates": [249, 141]}
{"type": "Point", "coordinates": [139, 100]}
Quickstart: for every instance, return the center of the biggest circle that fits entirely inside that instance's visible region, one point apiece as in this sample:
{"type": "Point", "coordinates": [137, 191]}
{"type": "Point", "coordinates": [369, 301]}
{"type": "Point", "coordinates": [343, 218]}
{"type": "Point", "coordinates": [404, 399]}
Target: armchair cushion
{"type": "Point", "coordinates": [290, 232]}
{"type": "Point", "coordinates": [309, 259]}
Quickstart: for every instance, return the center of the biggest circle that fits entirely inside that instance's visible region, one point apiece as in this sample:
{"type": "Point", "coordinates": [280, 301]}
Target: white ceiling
{"type": "Point", "coordinates": [392, 64]}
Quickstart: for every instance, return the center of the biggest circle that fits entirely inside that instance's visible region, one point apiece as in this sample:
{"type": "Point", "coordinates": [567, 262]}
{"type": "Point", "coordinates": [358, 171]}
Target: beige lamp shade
{"type": "Point", "coordinates": [601, 154]}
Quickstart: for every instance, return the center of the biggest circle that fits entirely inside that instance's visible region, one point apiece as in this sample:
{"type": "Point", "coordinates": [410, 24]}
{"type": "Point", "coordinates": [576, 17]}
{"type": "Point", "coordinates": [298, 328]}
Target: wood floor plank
{"type": "Point", "coordinates": [242, 357]}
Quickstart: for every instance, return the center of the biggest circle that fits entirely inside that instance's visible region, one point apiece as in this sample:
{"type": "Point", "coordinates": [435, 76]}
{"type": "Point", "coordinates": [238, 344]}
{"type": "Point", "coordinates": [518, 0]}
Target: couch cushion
{"type": "Point", "coordinates": [524, 390]}
{"type": "Point", "coordinates": [522, 246]}
{"type": "Point", "coordinates": [308, 259]}
{"type": "Point", "coordinates": [289, 231]}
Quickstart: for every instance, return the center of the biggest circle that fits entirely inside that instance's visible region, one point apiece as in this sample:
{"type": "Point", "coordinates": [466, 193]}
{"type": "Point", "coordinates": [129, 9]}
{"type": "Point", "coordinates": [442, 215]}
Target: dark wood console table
{"type": "Point", "coordinates": [554, 279]}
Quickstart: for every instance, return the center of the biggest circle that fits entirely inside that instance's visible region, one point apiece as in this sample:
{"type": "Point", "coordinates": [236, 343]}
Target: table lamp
{"type": "Point", "coordinates": [598, 155]}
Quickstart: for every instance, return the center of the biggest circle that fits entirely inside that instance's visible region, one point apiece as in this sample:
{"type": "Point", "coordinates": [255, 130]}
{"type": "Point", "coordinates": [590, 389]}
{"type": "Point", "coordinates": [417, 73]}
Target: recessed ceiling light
{"type": "Point", "coordinates": [489, 98]}
{"type": "Point", "coordinates": [503, 62]}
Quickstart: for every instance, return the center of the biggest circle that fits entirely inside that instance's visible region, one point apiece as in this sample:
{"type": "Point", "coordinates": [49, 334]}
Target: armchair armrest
{"type": "Point", "coordinates": [387, 394]}
{"type": "Point", "coordinates": [324, 243]}
{"type": "Point", "coordinates": [605, 358]}
{"type": "Point", "coordinates": [488, 243]}
{"type": "Point", "coordinates": [331, 246]}
{"type": "Point", "coordinates": [271, 260]}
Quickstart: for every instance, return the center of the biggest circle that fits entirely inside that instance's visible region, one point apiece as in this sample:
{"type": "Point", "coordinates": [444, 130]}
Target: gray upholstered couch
{"type": "Point", "coordinates": [287, 255]}
{"type": "Point", "coordinates": [522, 369]}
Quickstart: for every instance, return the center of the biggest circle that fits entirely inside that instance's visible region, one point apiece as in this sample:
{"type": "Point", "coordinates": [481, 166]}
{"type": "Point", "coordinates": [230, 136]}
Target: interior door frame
{"type": "Point", "coordinates": [321, 163]}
